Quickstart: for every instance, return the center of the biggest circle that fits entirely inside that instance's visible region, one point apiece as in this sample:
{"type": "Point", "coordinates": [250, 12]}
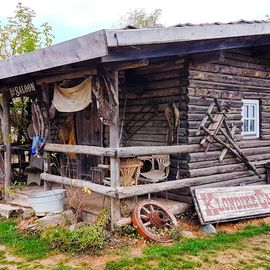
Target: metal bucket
{"type": "Point", "coordinates": [47, 202]}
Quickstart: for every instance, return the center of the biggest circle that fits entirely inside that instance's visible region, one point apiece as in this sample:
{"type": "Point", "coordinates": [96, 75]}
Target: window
{"type": "Point", "coordinates": [250, 118]}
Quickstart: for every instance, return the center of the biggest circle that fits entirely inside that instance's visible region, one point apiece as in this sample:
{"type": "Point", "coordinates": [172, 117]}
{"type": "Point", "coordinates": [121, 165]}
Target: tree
{"type": "Point", "coordinates": [20, 35]}
{"type": "Point", "coordinates": [139, 18]}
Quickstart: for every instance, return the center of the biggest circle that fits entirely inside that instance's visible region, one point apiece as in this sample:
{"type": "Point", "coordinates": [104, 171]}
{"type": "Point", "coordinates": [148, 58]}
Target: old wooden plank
{"type": "Point", "coordinates": [5, 124]}
{"type": "Point", "coordinates": [67, 76]}
{"type": "Point", "coordinates": [230, 70]}
{"type": "Point", "coordinates": [80, 149]}
{"type": "Point", "coordinates": [215, 84]}
{"type": "Point", "coordinates": [229, 79]}
{"type": "Point", "coordinates": [115, 161]}
{"type": "Point", "coordinates": [101, 189]}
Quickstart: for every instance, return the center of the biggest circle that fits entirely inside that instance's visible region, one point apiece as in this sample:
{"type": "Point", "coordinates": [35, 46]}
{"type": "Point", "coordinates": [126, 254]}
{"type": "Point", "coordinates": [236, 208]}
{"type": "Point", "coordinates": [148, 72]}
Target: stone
{"type": "Point", "coordinates": [65, 218]}
{"type": "Point", "coordinates": [209, 228]}
{"type": "Point", "coordinates": [187, 234]}
{"type": "Point", "coordinates": [8, 211]}
{"type": "Point", "coordinates": [76, 226]}
{"type": "Point", "coordinates": [89, 218]}
{"type": "Point", "coordinates": [28, 213]}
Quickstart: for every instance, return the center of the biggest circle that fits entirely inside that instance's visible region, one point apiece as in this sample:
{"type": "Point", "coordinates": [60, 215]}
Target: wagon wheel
{"type": "Point", "coordinates": [152, 221]}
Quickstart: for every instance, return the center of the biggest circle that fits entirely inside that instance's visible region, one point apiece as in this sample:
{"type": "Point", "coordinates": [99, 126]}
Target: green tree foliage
{"type": "Point", "coordinates": [139, 18]}
{"type": "Point", "coordinates": [20, 35]}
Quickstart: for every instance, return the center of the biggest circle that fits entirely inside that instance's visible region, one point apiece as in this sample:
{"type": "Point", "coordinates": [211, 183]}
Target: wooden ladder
{"type": "Point", "coordinates": [219, 125]}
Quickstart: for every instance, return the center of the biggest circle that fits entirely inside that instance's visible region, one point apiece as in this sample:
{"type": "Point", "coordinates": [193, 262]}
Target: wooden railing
{"type": "Point", "coordinates": [122, 152]}
{"type": "Point", "coordinates": [120, 192]}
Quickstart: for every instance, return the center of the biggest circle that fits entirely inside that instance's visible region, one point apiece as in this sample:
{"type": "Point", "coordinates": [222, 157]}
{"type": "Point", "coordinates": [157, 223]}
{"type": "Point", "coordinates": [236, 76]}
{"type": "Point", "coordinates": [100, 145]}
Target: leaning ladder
{"type": "Point", "coordinates": [218, 124]}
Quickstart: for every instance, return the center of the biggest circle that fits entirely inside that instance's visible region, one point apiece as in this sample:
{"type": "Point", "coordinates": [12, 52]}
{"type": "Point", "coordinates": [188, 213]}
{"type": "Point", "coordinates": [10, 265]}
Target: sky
{"type": "Point", "coordinates": [73, 18]}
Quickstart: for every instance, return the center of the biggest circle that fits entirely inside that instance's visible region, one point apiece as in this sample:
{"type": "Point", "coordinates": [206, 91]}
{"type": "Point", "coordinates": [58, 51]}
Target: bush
{"type": "Point", "coordinates": [88, 237]}
{"type": "Point", "coordinates": [127, 230]}
{"type": "Point", "coordinates": [85, 238]}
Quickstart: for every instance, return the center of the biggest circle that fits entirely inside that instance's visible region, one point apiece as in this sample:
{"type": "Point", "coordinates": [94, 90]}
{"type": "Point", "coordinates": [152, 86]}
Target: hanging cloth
{"type": "Point", "coordinates": [73, 99]}
{"type": "Point", "coordinates": [107, 101]}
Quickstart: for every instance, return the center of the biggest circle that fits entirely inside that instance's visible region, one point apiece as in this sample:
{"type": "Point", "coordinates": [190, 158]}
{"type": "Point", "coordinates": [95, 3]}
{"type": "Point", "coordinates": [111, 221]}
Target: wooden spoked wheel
{"type": "Point", "coordinates": [152, 221]}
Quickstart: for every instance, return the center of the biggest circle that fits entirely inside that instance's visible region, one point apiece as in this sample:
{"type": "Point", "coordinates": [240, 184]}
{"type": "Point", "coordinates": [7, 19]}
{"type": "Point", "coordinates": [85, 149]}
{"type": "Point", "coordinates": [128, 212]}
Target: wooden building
{"type": "Point", "coordinates": [185, 65]}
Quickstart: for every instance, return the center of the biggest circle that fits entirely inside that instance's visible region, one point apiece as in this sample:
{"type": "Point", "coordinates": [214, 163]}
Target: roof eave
{"type": "Point", "coordinates": [91, 46]}
{"type": "Point", "coordinates": [133, 37]}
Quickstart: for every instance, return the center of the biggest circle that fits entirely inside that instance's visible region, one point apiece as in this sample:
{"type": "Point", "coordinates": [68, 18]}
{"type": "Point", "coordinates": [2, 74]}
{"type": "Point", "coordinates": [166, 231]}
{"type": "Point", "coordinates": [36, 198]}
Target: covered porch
{"type": "Point", "coordinates": [134, 75]}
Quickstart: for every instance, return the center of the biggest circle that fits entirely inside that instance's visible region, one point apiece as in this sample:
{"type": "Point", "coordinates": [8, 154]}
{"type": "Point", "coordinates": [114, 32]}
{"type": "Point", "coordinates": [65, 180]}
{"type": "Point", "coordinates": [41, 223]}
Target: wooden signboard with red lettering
{"type": "Point", "coordinates": [215, 205]}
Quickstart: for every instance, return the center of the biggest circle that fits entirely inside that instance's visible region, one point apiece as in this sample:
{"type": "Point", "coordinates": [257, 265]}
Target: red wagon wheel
{"type": "Point", "coordinates": [152, 221]}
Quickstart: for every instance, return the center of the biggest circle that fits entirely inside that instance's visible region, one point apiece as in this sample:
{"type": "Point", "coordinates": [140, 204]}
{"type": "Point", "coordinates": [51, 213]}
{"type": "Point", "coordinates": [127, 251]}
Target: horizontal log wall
{"type": "Point", "coordinates": [161, 82]}
{"type": "Point", "coordinates": [239, 76]}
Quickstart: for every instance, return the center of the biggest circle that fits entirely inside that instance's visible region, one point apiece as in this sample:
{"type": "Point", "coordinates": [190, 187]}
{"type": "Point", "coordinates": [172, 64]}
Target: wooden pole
{"type": "Point", "coordinates": [6, 131]}
{"type": "Point", "coordinates": [81, 149]}
{"type": "Point", "coordinates": [46, 99]}
{"type": "Point", "coordinates": [104, 190]}
{"type": "Point", "coordinates": [115, 162]}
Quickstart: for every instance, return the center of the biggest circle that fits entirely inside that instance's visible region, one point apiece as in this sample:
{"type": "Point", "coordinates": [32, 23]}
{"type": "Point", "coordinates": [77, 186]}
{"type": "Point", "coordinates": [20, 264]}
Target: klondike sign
{"type": "Point", "coordinates": [230, 203]}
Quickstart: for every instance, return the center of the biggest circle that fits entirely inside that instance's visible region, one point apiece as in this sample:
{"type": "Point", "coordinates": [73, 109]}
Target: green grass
{"type": "Point", "coordinates": [171, 257]}
{"type": "Point", "coordinates": [29, 246]}
{"type": "Point", "coordinates": [64, 267]}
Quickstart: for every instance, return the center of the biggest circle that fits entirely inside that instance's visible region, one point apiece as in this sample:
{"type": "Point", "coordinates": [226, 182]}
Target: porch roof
{"type": "Point", "coordinates": [121, 45]}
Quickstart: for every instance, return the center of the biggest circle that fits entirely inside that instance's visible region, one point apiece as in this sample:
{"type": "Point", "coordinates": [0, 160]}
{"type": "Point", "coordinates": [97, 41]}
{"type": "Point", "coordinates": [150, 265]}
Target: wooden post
{"type": "Point", "coordinates": [115, 162]}
{"type": "Point", "coordinates": [46, 99]}
{"type": "Point", "coordinates": [6, 131]}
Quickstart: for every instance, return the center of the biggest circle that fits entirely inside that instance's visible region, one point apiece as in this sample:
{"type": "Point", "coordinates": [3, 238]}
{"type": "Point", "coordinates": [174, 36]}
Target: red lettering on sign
{"type": "Point", "coordinates": [226, 204]}
{"type": "Point", "coordinates": [208, 199]}
{"type": "Point", "coordinates": [263, 200]}
{"type": "Point", "coordinates": [231, 203]}
{"type": "Point", "coordinates": [238, 203]}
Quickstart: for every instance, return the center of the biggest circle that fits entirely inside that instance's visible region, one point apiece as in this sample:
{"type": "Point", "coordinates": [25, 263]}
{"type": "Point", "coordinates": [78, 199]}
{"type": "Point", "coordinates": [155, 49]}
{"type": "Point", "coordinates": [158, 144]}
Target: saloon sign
{"type": "Point", "coordinates": [26, 89]}
{"type": "Point", "coordinates": [230, 203]}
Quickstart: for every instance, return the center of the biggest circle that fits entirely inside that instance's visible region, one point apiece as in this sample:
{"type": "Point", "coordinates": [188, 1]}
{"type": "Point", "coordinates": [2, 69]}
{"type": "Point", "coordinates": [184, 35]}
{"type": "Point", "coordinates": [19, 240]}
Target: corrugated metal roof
{"type": "Point", "coordinates": [220, 23]}
{"type": "Point", "coordinates": [128, 27]}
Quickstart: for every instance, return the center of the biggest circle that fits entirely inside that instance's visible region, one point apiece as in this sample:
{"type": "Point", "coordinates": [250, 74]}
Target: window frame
{"type": "Point", "coordinates": [256, 133]}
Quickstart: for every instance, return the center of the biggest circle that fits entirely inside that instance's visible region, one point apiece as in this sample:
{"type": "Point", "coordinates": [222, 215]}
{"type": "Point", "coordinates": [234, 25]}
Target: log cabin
{"type": "Point", "coordinates": [150, 69]}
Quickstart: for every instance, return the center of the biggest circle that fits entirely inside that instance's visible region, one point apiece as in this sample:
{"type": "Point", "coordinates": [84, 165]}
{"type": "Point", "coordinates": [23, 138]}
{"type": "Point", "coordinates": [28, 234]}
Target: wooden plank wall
{"type": "Point", "coordinates": [239, 76]}
{"type": "Point", "coordinates": [160, 82]}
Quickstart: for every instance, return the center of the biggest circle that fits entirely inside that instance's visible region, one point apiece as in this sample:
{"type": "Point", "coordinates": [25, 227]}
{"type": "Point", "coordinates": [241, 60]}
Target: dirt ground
{"type": "Point", "coordinates": [254, 253]}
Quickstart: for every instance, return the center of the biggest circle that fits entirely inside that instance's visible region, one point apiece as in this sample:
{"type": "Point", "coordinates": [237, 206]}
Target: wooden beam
{"type": "Point", "coordinates": [5, 123]}
{"type": "Point", "coordinates": [208, 57]}
{"type": "Point", "coordinates": [1, 112]}
{"type": "Point", "coordinates": [101, 189]}
{"type": "Point", "coordinates": [183, 48]}
{"type": "Point", "coordinates": [47, 158]}
{"type": "Point", "coordinates": [131, 191]}
{"type": "Point", "coordinates": [67, 76]}
{"type": "Point", "coordinates": [115, 162]}
{"type": "Point", "coordinates": [127, 65]}
{"type": "Point", "coordinates": [122, 152]}
{"type": "Point", "coordinates": [81, 149]}
{"type": "Point", "coordinates": [135, 151]}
